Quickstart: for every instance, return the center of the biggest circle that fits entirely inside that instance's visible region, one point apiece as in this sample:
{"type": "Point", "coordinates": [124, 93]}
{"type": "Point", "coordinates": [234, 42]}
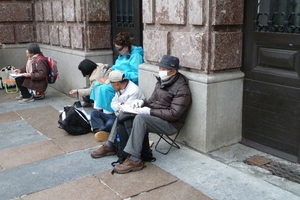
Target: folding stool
{"type": "Point", "coordinates": [168, 139]}
{"type": "Point", "coordinates": [13, 89]}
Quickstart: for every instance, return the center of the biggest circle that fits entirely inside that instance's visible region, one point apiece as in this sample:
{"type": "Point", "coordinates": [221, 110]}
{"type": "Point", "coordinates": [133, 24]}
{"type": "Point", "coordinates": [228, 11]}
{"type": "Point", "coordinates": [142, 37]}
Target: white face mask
{"type": "Point", "coordinates": [163, 74]}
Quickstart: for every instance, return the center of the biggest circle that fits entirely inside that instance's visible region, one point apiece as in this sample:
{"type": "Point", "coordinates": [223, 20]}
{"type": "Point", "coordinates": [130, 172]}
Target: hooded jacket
{"type": "Point", "coordinates": [171, 100]}
{"type": "Point", "coordinates": [97, 73]}
{"type": "Point", "coordinates": [129, 66]}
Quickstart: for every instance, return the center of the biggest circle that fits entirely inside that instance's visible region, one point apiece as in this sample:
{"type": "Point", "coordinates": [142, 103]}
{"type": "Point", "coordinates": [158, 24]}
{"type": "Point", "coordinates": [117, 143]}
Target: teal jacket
{"type": "Point", "coordinates": [130, 66]}
{"type": "Point", "coordinates": [102, 94]}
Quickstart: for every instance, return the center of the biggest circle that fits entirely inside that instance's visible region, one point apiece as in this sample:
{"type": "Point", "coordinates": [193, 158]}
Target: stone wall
{"type": "Point", "coordinates": [68, 30]}
{"type": "Point", "coordinates": [72, 24]}
{"type": "Point", "coordinates": [206, 35]}
{"type": "Point", "coordinates": [16, 22]}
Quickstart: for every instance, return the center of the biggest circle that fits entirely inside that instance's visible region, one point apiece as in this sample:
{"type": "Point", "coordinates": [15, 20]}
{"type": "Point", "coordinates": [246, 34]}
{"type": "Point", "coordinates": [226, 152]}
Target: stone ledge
{"type": "Point", "coordinates": [201, 77]}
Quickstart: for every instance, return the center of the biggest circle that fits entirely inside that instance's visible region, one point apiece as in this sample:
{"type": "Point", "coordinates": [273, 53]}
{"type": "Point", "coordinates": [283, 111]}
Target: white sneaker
{"type": "Point", "coordinates": [27, 100]}
{"type": "Point", "coordinates": [19, 97]}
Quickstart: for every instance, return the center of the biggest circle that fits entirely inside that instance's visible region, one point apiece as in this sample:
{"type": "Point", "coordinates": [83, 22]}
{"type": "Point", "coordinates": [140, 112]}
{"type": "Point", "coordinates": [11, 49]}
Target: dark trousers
{"type": "Point", "coordinates": [24, 91]}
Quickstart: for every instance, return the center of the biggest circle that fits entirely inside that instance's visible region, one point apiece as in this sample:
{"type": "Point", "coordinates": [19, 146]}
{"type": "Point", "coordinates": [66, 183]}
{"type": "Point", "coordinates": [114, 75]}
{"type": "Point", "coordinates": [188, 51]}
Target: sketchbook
{"type": "Point", "coordinates": [16, 75]}
{"type": "Point", "coordinates": [103, 80]}
{"type": "Point", "coordinates": [128, 109]}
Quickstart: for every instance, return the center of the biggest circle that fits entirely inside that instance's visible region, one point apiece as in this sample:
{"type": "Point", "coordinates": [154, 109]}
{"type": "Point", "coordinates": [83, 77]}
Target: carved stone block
{"type": "Point", "coordinates": [227, 12]}
{"type": "Point", "coordinates": [98, 10]}
{"type": "Point", "coordinates": [171, 12]}
{"type": "Point", "coordinates": [99, 37]}
{"type": "Point", "coordinates": [14, 12]}
{"type": "Point", "coordinates": [226, 50]}
{"type": "Point", "coordinates": [77, 37]}
{"type": "Point", "coordinates": [187, 46]}
{"type": "Point", "coordinates": [155, 45]}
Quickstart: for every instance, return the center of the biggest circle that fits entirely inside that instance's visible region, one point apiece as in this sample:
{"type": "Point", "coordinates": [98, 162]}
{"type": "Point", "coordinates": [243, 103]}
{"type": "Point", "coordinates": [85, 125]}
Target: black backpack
{"type": "Point", "coordinates": [74, 121]}
{"type": "Point", "coordinates": [124, 126]}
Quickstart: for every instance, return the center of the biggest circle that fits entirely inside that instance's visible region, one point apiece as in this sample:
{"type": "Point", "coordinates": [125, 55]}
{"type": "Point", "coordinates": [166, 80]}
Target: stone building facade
{"type": "Point", "coordinates": [207, 37]}
{"type": "Point", "coordinates": [68, 31]}
{"type": "Point", "coordinates": [73, 24]}
{"type": "Point", "coordinates": [205, 34]}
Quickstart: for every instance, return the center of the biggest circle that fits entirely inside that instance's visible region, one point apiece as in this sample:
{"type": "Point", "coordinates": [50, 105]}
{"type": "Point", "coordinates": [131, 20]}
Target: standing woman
{"type": "Point", "coordinates": [129, 59]}
{"type": "Point", "coordinates": [34, 76]}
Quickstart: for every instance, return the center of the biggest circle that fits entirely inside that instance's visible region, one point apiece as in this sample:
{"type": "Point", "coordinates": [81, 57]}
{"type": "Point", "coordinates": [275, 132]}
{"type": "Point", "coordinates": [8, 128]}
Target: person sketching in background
{"type": "Point", "coordinates": [34, 74]}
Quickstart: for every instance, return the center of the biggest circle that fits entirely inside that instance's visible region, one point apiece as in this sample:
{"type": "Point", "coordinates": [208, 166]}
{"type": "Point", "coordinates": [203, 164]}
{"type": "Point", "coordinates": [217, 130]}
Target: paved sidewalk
{"type": "Point", "coordinates": [40, 161]}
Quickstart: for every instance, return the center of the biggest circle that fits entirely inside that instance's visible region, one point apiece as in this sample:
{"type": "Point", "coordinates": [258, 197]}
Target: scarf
{"type": "Point", "coordinates": [29, 63]}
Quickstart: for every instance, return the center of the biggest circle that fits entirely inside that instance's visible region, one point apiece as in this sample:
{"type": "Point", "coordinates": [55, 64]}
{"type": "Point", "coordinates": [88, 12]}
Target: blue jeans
{"type": "Point", "coordinates": [102, 121]}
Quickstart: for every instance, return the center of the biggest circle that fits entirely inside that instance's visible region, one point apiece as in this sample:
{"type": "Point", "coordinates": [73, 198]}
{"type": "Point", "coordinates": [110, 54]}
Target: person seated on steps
{"type": "Point", "coordinates": [164, 112]}
{"type": "Point", "coordinates": [130, 57]}
{"type": "Point", "coordinates": [125, 93]}
{"type": "Point", "coordinates": [93, 71]}
{"type": "Point", "coordinates": [34, 77]}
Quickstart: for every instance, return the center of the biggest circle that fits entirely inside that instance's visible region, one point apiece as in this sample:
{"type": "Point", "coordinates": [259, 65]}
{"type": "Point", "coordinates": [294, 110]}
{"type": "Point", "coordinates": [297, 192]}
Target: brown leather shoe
{"type": "Point", "coordinates": [129, 166]}
{"type": "Point", "coordinates": [103, 151]}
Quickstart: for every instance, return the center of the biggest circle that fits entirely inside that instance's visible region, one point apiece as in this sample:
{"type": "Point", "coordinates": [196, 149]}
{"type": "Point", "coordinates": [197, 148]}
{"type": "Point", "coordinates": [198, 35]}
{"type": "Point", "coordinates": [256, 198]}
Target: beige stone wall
{"type": "Point", "coordinates": [205, 34]}
{"type": "Point", "coordinates": [66, 30]}
{"type": "Point", "coordinates": [72, 24]}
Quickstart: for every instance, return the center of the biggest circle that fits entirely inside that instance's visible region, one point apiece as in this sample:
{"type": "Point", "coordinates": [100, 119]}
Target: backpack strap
{"type": "Point", "coordinates": [38, 58]}
{"type": "Point", "coordinates": [119, 161]}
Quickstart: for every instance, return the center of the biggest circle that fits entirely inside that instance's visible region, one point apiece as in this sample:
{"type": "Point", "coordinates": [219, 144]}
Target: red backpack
{"type": "Point", "coordinates": [53, 71]}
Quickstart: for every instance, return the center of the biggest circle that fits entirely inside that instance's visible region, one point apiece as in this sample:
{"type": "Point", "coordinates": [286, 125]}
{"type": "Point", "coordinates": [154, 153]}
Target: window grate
{"type": "Point", "coordinates": [281, 16]}
{"type": "Point", "coordinates": [276, 168]}
{"type": "Point", "coordinates": [125, 13]}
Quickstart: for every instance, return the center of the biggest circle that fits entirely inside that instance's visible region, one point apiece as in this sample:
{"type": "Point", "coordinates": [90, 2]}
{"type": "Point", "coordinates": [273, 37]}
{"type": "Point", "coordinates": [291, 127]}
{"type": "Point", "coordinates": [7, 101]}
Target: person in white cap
{"type": "Point", "coordinates": [164, 112]}
{"type": "Point", "coordinates": [126, 93]}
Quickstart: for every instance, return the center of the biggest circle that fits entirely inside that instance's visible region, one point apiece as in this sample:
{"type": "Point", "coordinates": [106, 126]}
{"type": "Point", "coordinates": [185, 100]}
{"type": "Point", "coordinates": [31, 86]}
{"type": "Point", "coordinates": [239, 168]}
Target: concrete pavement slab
{"type": "Point", "coordinates": [36, 176]}
{"type": "Point", "coordinates": [217, 180]}
{"type": "Point", "coordinates": [7, 97]}
{"type": "Point", "coordinates": [9, 117]}
{"type": "Point", "coordinates": [175, 191]}
{"type": "Point", "coordinates": [18, 133]}
{"type": "Point", "coordinates": [83, 188]}
{"type": "Point", "coordinates": [71, 143]}
{"type": "Point", "coordinates": [25, 154]}
{"type": "Point", "coordinates": [54, 98]}
{"type": "Point", "coordinates": [235, 155]}
{"type": "Point", "coordinates": [44, 119]}
{"type": "Point", "coordinates": [132, 184]}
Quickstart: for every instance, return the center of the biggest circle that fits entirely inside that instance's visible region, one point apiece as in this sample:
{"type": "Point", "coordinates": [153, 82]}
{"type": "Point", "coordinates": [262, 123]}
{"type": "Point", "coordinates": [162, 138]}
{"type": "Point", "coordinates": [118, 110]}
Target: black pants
{"type": "Point", "coordinates": [24, 91]}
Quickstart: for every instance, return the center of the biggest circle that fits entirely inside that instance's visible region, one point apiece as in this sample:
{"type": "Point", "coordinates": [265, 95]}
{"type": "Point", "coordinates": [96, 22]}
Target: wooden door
{"type": "Point", "coordinates": [271, 59]}
{"type": "Point", "coordinates": [127, 17]}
